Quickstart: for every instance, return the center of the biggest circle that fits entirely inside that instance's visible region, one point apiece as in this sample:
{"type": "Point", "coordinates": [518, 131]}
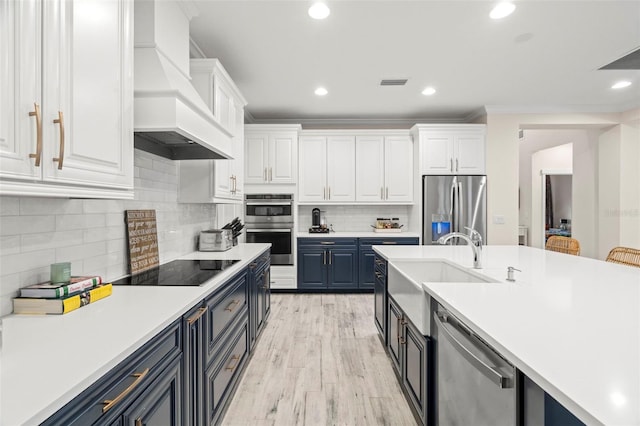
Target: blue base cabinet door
{"type": "Point", "coordinates": [327, 263]}
{"type": "Point", "coordinates": [162, 405]}
{"type": "Point", "coordinates": [343, 268]}
{"type": "Point", "coordinates": [312, 270]}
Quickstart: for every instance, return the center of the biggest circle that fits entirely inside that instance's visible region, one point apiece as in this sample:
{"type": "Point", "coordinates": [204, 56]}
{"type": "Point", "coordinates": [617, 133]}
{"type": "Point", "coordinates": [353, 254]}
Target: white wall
{"type": "Point", "coordinates": [559, 158]}
{"type": "Point", "coordinates": [91, 234]}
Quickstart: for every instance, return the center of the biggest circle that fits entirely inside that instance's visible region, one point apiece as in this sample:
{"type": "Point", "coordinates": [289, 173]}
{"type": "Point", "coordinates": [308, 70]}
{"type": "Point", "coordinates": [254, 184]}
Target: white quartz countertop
{"type": "Point", "coordinates": [571, 324]}
{"type": "Point", "coordinates": [372, 234]}
{"type": "Point", "coordinates": [45, 361]}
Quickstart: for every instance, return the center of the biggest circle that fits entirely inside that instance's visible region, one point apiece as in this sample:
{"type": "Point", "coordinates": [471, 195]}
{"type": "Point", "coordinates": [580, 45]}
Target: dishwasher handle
{"type": "Point", "coordinates": [488, 371]}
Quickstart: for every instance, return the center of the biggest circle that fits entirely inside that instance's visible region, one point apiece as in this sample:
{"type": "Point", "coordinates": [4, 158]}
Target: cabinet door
{"type": "Point", "coordinates": [366, 266]}
{"type": "Point", "coordinates": [161, 402]}
{"type": "Point", "coordinates": [370, 168]}
{"type": "Point", "coordinates": [414, 367]}
{"type": "Point", "coordinates": [398, 168]}
{"type": "Point", "coordinates": [256, 157]}
{"type": "Point", "coordinates": [380, 306]}
{"type": "Point", "coordinates": [312, 180]}
{"type": "Point", "coordinates": [87, 88]}
{"type": "Point", "coordinates": [237, 165]}
{"type": "Point", "coordinates": [394, 315]}
{"type": "Point", "coordinates": [312, 267]}
{"type": "Point", "coordinates": [194, 364]}
{"type": "Point", "coordinates": [282, 158]}
{"type": "Point", "coordinates": [341, 165]}
{"type": "Point", "coordinates": [223, 183]}
{"type": "Point", "coordinates": [20, 88]}
{"type": "Point", "coordinates": [437, 154]}
{"type": "Point", "coordinates": [469, 153]}
{"type": "Point", "coordinates": [343, 268]}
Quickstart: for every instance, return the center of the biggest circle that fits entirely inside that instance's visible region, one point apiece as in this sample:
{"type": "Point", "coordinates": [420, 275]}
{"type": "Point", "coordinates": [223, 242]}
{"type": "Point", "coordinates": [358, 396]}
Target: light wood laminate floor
{"type": "Point", "coordinates": [319, 361]}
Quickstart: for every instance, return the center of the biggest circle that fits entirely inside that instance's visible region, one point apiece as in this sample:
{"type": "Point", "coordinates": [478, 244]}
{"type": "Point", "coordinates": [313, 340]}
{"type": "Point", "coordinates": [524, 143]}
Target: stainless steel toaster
{"type": "Point", "coordinates": [215, 240]}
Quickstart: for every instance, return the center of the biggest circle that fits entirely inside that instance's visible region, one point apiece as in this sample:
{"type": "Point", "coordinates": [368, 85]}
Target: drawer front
{"type": "Point", "coordinates": [380, 265]}
{"type": "Point", "coordinates": [108, 397]}
{"type": "Point", "coordinates": [327, 242]}
{"type": "Point", "coordinates": [366, 243]}
{"type": "Point", "coordinates": [223, 373]}
{"type": "Point", "coordinates": [224, 308]}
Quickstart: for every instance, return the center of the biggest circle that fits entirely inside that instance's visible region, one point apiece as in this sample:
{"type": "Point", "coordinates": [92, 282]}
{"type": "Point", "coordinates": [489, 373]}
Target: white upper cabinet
{"type": "Point", "coordinates": [451, 149]}
{"type": "Point", "coordinates": [327, 168]}
{"type": "Point", "coordinates": [216, 181]}
{"type": "Point", "coordinates": [66, 78]}
{"type": "Point", "coordinates": [384, 169]}
{"type": "Point", "coordinates": [271, 153]}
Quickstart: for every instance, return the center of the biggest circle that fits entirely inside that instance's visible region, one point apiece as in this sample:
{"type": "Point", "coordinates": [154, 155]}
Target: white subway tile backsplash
{"type": "Point", "coordinates": [17, 225]}
{"type": "Point", "coordinates": [79, 221]}
{"type": "Point", "coordinates": [48, 240]}
{"type": "Point", "coordinates": [352, 218]}
{"type": "Point", "coordinates": [10, 244]}
{"type": "Point", "coordinates": [35, 232]}
{"type": "Point", "coordinates": [22, 262]}
{"type": "Point", "coordinates": [9, 206]}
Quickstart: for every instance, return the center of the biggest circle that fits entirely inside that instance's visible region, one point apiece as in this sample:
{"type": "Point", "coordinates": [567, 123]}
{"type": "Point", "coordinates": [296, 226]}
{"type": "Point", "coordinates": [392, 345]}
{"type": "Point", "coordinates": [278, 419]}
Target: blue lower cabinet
{"type": "Point", "coordinates": [327, 263]}
{"type": "Point", "coordinates": [367, 256]}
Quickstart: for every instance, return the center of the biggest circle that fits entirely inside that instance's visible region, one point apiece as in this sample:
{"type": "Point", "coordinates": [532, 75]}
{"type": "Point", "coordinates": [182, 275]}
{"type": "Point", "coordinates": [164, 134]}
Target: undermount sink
{"type": "Point", "coordinates": [405, 278]}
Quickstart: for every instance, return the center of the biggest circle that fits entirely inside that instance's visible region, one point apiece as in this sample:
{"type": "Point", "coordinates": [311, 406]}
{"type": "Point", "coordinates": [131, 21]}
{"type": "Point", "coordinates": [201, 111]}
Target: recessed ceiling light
{"type": "Point", "coordinates": [621, 84]}
{"type": "Point", "coordinates": [502, 10]}
{"type": "Point", "coordinates": [321, 91]}
{"type": "Point", "coordinates": [429, 91]}
{"type": "Point", "coordinates": [319, 10]}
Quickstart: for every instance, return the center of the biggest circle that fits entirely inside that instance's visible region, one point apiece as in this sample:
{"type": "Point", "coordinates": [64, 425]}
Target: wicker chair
{"type": "Point", "coordinates": [624, 256]}
{"type": "Point", "coordinates": [563, 245]}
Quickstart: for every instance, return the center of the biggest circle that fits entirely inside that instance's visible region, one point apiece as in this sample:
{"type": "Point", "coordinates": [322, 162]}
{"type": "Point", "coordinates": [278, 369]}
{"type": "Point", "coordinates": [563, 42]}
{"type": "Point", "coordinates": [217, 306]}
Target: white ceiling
{"type": "Point", "coordinates": [543, 58]}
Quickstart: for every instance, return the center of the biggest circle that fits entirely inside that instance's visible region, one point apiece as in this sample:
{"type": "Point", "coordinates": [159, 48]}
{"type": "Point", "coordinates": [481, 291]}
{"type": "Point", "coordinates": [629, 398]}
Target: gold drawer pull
{"type": "Point", "coordinates": [327, 243]}
{"type": "Point", "coordinates": [378, 274]}
{"type": "Point", "coordinates": [232, 305]}
{"type": "Point", "coordinates": [197, 315]}
{"type": "Point", "coordinates": [230, 367]}
{"type": "Point", "coordinates": [138, 421]}
{"type": "Point", "coordinates": [379, 262]}
{"type": "Point", "coordinates": [389, 242]}
{"type": "Point", "coordinates": [60, 158]}
{"type": "Point", "coordinates": [110, 403]}
{"type": "Point", "coordinates": [402, 341]}
{"type": "Point", "coordinates": [38, 153]}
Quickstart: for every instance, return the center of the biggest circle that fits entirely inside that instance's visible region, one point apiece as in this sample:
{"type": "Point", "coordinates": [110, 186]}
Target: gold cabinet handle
{"type": "Point", "coordinates": [60, 121]}
{"type": "Point", "coordinates": [324, 193]}
{"type": "Point", "coordinates": [36, 113]}
{"type": "Point", "coordinates": [324, 257]}
{"type": "Point", "coordinates": [270, 174]}
{"type": "Point", "coordinates": [381, 193]}
{"type": "Point", "coordinates": [231, 366]}
{"type": "Point", "coordinates": [110, 403]}
{"type": "Point", "coordinates": [379, 262]}
{"type": "Point", "coordinates": [389, 243]}
{"type": "Point", "coordinates": [378, 274]}
{"type": "Point", "coordinates": [265, 174]}
{"type": "Point", "coordinates": [387, 193]}
{"type": "Point", "coordinates": [329, 193]}
{"type": "Point", "coordinates": [456, 164]}
{"type": "Point", "coordinates": [402, 341]}
{"type": "Point", "coordinates": [327, 243]}
{"type": "Point", "coordinates": [451, 164]}
{"type": "Point", "coordinates": [330, 255]}
{"type": "Point", "coordinates": [138, 421]}
{"type": "Point", "coordinates": [195, 317]}
{"type": "Point", "coordinates": [232, 306]}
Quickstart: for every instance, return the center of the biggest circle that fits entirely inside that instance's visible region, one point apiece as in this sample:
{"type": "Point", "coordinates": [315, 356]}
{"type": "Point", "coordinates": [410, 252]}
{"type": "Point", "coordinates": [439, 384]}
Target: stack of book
{"type": "Point", "coordinates": [49, 298]}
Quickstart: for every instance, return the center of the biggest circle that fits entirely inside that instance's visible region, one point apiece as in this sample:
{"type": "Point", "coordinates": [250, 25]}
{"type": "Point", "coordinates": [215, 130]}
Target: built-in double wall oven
{"type": "Point", "coordinates": [269, 219]}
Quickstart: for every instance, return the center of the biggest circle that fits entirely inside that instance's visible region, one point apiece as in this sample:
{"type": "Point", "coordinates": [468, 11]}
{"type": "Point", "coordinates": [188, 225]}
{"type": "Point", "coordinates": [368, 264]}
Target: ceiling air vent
{"type": "Point", "coordinates": [393, 82]}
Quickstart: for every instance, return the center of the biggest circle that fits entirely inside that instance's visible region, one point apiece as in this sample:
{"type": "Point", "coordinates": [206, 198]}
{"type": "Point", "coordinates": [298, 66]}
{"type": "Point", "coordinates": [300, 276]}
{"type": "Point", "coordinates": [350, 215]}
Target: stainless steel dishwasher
{"type": "Point", "coordinates": [474, 384]}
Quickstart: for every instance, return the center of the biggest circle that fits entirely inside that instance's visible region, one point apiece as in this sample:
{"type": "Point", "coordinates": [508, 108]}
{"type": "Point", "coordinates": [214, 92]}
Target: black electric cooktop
{"type": "Point", "coordinates": [178, 273]}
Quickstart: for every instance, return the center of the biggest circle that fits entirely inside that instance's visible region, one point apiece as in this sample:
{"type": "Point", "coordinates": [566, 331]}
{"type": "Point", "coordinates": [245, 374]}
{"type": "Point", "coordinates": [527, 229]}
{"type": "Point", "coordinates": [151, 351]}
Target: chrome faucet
{"type": "Point", "coordinates": [474, 241]}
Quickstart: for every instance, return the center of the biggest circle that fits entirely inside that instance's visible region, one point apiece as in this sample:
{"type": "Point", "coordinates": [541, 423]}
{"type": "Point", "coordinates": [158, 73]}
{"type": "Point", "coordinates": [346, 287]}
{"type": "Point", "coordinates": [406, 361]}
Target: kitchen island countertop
{"type": "Point", "coordinates": [47, 360]}
{"type": "Point", "coordinates": [571, 324]}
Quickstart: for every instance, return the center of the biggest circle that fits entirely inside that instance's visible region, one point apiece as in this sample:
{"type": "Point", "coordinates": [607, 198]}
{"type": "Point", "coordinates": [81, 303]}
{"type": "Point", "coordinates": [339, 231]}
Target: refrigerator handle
{"type": "Point", "coordinates": [452, 193]}
{"type": "Point", "coordinates": [459, 209]}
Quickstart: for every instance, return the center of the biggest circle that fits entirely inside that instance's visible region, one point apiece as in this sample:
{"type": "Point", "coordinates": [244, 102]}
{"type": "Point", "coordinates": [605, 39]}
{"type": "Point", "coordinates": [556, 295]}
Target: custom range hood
{"type": "Point", "coordinates": [170, 117]}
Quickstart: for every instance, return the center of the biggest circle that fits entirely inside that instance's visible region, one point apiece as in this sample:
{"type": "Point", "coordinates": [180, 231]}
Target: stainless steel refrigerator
{"type": "Point", "coordinates": [451, 204]}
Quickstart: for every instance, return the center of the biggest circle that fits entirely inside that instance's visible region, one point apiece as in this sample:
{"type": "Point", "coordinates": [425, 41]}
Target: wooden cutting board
{"type": "Point", "coordinates": [142, 238]}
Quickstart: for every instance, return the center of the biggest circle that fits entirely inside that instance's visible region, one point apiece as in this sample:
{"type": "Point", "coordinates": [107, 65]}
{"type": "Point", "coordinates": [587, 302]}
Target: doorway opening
{"type": "Point", "coordinates": [556, 202]}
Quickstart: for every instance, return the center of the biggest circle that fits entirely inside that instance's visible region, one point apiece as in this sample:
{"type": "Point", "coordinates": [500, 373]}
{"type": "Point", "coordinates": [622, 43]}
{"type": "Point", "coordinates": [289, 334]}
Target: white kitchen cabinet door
{"type": "Point", "coordinates": [312, 182]}
{"type": "Point", "coordinates": [282, 158]}
{"type": "Point", "coordinates": [20, 88]}
{"type": "Point", "coordinates": [237, 166]}
{"type": "Point", "coordinates": [398, 169]}
{"type": "Point", "coordinates": [469, 153]}
{"type": "Point", "coordinates": [437, 154]}
{"type": "Point", "coordinates": [341, 168]}
{"type": "Point", "coordinates": [370, 169]}
{"type": "Point", "coordinates": [256, 157]}
{"type": "Point", "coordinates": [86, 85]}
